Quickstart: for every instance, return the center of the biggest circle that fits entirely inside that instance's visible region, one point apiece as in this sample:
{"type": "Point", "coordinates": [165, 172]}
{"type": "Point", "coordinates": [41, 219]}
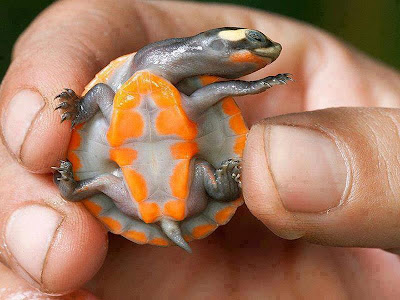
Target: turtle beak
{"type": "Point", "coordinates": [272, 52]}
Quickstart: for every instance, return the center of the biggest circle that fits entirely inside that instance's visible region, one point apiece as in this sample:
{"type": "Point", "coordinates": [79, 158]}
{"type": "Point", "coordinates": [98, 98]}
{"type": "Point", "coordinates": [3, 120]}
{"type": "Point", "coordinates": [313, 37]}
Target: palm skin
{"type": "Point", "coordinates": [242, 259]}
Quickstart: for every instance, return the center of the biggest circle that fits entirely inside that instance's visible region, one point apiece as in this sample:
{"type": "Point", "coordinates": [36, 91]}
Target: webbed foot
{"type": "Point", "coordinates": [70, 104]}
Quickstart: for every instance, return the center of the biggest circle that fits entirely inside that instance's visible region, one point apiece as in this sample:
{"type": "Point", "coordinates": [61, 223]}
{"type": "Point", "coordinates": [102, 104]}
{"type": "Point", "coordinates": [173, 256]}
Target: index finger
{"type": "Point", "coordinates": [84, 37]}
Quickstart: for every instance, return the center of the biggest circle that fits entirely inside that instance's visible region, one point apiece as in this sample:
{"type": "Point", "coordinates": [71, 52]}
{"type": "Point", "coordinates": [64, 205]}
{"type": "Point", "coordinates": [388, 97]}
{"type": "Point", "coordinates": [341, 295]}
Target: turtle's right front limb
{"type": "Point", "coordinates": [79, 110]}
{"type": "Point", "coordinates": [207, 96]}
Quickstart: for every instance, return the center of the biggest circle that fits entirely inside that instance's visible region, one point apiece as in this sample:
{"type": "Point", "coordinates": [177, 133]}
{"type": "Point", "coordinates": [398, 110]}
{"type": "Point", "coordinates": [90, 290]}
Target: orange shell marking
{"type": "Point", "coordinates": [112, 224]}
{"type": "Point", "coordinates": [136, 236]}
{"type": "Point", "coordinates": [203, 230]}
{"type": "Point", "coordinates": [159, 242]}
{"type": "Point", "coordinates": [74, 144]}
{"type": "Point", "coordinates": [93, 207]}
{"type": "Point", "coordinates": [236, 123]}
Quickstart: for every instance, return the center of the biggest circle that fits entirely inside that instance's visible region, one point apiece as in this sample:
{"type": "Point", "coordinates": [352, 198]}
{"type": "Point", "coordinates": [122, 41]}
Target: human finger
{"type": "Point", "coordinates": [329, 176]}
{"type": "Point", "coordinates": [54, 245]}
{"type": "Point", "coordinates": [12, 287]}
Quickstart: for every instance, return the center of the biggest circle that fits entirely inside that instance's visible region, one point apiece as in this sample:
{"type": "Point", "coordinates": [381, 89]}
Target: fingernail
{"type": "Point", "coordinates": [18, 117]}
{"type": "Point", "coordinates": [308, 169]}
{"type": "Point", "coordinates": [29, 233]}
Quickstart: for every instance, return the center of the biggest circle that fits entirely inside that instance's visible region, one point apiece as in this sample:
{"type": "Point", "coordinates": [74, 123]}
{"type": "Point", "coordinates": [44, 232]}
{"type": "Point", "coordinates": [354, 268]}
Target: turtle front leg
{"type": "Point", "coordinates": [209, 95]}
{"type": "Point", "coordinates": [222, 184]}
{"type": "Point", "coordinates": [79, 110]}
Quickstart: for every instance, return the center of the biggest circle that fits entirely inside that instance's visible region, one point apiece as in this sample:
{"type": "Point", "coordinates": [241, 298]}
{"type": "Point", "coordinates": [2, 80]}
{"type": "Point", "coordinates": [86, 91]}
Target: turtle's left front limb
{"type": "Point", "coordinates": [209, 95]}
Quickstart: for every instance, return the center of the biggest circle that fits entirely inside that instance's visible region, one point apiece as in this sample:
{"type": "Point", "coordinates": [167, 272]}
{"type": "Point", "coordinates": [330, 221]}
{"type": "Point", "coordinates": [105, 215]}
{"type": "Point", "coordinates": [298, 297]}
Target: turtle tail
{"type": "Point", "coordinates": [172, 230]}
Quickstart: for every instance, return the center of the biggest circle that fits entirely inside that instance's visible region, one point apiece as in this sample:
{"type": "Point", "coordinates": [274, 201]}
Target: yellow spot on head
{"type": "Point", "coordinates": [233, 35]}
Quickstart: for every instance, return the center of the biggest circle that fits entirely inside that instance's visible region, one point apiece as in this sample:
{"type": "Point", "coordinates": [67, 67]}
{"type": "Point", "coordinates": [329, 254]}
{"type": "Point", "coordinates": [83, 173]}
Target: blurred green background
{"type": "Point", "coordinates": [370, 25]}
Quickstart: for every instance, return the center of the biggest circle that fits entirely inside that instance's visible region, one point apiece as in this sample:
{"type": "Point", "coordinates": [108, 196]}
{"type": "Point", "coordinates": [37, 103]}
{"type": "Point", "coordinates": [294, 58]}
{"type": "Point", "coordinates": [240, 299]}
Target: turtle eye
{"type": "Point", "coordinates": [255, 36]}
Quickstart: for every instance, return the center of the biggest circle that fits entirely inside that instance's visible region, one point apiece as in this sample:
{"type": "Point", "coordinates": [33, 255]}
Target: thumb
{"type": "Point", "coordinates": [330, 176]}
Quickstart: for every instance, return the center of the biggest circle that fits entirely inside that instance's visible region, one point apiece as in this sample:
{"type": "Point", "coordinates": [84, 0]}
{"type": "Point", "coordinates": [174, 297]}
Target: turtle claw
{"type": "Point", "coordinates": [66, 116]}
{"type": "Point", "coordinates": [283, 78]}
{"type": "Point", "coordinates": [229, 168]}
{"type": "Point", "coordinates": [64, 171]}
{"type": "Point", "coordinates": [70, 105]}
{"type": "Point", "coordinates": [279, 79]}
{"type": "Point", "coordinates": [63, 105]}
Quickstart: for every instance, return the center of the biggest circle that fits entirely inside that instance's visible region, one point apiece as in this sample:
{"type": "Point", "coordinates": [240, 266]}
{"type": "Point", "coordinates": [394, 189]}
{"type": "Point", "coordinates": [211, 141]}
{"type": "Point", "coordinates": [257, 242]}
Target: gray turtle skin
{"type": "Point", "coordinates": [213, 184]}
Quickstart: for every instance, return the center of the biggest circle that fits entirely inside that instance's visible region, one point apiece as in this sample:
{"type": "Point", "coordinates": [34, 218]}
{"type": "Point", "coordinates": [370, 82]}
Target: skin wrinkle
{"type": "Point", "coordinates": [48, 251]}
{"type": "Point", "coordinates": [3, 140]}
{"type": "Point", "coordinates": [267, 159]}
{"type": "Point", "coordinates": [396, 123]}
{"type": "Point", "coordinates": [344, 277]}
{"type": "Point", "coordinates": [388, 174]}
{"type": "Point", "coordinates": [142, 20]}
{"type": "Point", "coordinates": [344, 154]}
{"type": "Point", "coordinates": [319, 62]}
{"type": "Point", "coordinates": [9, 254]}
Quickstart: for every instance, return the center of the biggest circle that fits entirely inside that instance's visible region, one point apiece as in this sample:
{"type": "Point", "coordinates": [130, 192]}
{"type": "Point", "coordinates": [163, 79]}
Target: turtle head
{"type": "Point", "coordinates": [227, 52]}
{"type": "Point", "coordinates": [232, 52]}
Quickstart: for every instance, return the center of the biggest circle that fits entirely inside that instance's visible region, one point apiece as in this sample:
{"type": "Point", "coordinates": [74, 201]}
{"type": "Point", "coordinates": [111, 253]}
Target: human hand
{"type": "Point", "coordinates": [57, 245]}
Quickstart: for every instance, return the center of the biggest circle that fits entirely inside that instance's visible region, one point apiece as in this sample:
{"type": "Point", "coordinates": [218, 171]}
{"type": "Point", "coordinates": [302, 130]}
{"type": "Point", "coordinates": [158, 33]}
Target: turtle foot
{"type": "Point", "coordinates": [70, 105]}
{"type": "Point", "coordinates": [64, 171]}
{"type": "Point", "coordinates": [230, 168]}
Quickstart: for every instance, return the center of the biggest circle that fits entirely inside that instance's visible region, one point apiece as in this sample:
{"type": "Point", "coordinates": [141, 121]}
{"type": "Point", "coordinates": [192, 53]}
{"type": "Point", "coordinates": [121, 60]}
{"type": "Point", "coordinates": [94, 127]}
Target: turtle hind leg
{"type": "Point", "coordinates": [107, 183]}
{"type": "Point", "coordinates": [79, 110]}
{"type": "Point", "coordinates": [71, 189]}
{"type": "Point", "coordinates": [222, 184]}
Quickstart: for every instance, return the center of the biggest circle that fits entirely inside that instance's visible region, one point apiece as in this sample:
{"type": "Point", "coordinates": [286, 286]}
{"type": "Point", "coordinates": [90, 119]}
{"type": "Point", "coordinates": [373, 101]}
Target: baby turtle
{"type": "Point", "coordinates": [157, 137]}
